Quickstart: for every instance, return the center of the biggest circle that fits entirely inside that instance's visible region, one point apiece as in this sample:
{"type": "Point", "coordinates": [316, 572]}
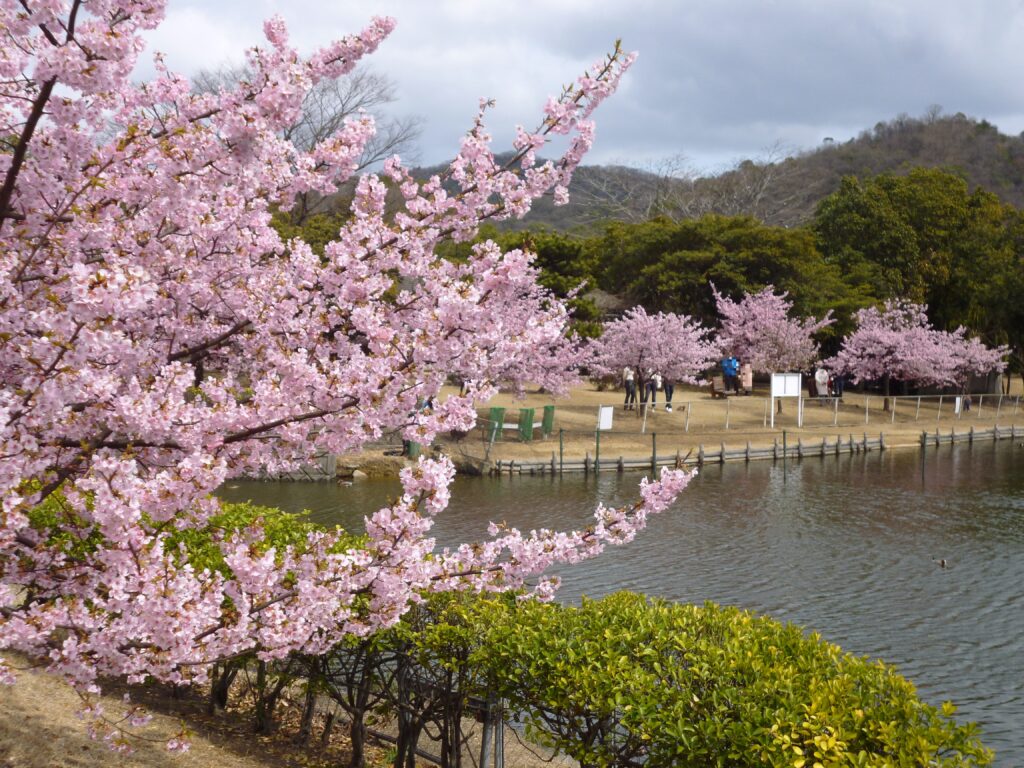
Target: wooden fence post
{"type": "Point", "coordinates": [561, 450]}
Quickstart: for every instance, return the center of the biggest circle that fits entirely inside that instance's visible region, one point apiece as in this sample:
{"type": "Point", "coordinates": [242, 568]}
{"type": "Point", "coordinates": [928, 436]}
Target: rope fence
{"type": "Point", "coordinates": [696, 416]}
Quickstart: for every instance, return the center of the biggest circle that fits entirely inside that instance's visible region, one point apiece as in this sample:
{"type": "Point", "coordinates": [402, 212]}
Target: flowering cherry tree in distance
{"type": "Point", "coordinates": [759, 330]}
{"type": "Point", "coordinates": [676, 346]}
{"type": "Point", "coordinates": [974, 358]}
{"type": "Point", "coordinates": [899, 343]}
{"type": "Point", "coordinates": [157, 334]}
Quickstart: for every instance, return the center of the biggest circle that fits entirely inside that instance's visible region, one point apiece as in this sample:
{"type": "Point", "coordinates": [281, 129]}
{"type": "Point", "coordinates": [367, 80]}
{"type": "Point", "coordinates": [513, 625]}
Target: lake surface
{"type": "Point", "coordinates": [845, 546]}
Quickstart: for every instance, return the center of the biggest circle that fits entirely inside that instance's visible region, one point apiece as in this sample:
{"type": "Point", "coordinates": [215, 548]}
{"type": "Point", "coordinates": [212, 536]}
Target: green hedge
{"type": "Point", "coordinates": [628, 680]}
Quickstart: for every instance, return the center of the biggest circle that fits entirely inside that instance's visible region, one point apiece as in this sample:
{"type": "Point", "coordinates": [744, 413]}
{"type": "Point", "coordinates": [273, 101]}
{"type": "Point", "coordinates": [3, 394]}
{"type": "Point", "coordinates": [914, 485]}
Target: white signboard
{"type": "Point", "coordinates": [788, 385]}
{"type": "Point", "coordinates": [604, 416]}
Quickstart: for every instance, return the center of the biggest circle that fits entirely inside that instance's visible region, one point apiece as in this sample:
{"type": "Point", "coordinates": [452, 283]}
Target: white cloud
{"type": "Point", "coordinates": [716, 78]}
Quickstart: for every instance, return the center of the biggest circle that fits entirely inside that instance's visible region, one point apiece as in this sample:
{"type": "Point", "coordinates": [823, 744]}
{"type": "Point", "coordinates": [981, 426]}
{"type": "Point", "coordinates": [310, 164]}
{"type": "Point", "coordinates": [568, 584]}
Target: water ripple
{"type": "Point", "coordinates": [849, 547]}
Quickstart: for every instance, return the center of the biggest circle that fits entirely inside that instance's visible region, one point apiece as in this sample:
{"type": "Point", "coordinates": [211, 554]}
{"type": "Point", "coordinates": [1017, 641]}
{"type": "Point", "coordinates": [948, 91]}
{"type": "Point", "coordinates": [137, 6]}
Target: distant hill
{"type": "Point", "coordinates": [786, 190]}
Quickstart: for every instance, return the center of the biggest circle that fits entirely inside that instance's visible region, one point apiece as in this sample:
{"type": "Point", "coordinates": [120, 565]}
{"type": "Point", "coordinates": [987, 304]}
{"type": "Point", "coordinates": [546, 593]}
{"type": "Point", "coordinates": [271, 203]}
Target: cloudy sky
{"type": "Point", "coordinates": [716, 81]}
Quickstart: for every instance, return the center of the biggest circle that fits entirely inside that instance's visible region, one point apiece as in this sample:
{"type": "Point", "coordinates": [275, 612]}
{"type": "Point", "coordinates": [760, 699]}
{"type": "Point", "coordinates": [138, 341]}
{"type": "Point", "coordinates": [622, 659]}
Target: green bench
{"type": "Point", "coordinates": [525, 426]}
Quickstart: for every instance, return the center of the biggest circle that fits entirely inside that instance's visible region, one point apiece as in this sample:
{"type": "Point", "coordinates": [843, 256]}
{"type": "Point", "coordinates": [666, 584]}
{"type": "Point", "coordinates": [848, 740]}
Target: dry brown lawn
{"type": "Point", "coordinates": [698, 419]}
{"type": "Point", "coordinates": [40, 728]}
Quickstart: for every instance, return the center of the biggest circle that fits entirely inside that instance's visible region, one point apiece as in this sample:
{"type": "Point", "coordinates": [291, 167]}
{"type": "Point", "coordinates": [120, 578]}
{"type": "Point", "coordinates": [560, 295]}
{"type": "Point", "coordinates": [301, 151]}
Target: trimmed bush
{"type": "Point", "coordinates": [629, 681]}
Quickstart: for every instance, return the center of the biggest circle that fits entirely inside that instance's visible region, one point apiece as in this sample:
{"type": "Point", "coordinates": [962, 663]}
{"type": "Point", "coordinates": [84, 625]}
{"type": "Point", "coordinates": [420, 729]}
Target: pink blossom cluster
{"type": "Point", "coordinates": [676, 346]}
{"type": "Point", "coordinates": [157, 335]}
{"type": "Point", "coordinates": [899, 342]}
{"type": "Point", "coordinates": [759, 330]}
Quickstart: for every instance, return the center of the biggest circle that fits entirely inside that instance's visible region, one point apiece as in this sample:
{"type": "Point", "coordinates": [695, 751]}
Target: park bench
{"type": "Point", "coordinates": [718, 387]}
{"type": "Point", "coordinates": [496, 423]}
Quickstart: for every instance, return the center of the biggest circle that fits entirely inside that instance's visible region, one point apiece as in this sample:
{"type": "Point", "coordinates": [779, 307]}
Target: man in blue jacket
{"type": "Point", "coordinates": [730, 373]}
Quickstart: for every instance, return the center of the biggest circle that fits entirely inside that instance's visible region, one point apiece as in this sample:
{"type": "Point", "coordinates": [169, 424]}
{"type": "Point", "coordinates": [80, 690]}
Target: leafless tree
{"type": "Point", "coordinates": [324, 111]}
{"type": "Point", "coordinates": [672, 188]}
{"type": "Point", "coordinates": [637, 193]}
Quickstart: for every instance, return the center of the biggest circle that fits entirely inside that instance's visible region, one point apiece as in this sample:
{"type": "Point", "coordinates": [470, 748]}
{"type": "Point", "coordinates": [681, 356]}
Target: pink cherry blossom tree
{"type": "Point", "coordinates": [759, 330]}
{"type": "Point", "coordinates": [899, 343]}
{"type": "Point", "coordinates": [157, 336]}
{"type": "Point", "coordinates": [974, 358]}
{"type": "Point", "coordinates": [676, 346]}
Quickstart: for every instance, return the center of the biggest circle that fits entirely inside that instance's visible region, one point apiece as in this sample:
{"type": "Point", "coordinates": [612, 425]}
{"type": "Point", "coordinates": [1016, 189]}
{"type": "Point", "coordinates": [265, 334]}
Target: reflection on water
{"type": "Point", "coordinates": [847, 546]}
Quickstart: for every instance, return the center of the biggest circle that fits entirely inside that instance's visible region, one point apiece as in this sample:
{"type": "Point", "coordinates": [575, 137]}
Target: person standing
{"type": "Point", "coordinates": [838, 384]}
{"type": "Point", "coordinates": [669, 388]}
{"type": "Point", "coordinates": [653, 385]}
{"type": "Point", "coordinates": [747, 378]}
{"type": "Point", "coordinates": [647, 390]}
{"type": "Point", "coordinates": [629, 382]}
{"type": "Point", "coordinates": [730, 370]}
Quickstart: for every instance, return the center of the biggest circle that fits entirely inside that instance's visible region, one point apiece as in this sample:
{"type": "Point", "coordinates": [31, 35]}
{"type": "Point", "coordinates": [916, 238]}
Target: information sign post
{"type": "Point", "coordinates": [788, 385]}
{"type": "Point", "coordinates": [604, 422]}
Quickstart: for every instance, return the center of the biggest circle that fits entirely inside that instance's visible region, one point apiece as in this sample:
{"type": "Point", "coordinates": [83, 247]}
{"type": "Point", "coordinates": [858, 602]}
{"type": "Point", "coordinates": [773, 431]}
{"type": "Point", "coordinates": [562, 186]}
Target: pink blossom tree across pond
{"type": "Point", "coordinates": [676, 346]}
{"type": "Point", "coordinates": [899, 343]}
{"type": "Point", "coordinates": [157, 335]}
{"type": "Point", "coordinates": [759, 330]}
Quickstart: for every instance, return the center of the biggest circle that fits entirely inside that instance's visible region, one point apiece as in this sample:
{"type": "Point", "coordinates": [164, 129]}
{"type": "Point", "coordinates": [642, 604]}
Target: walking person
{"type": "Point", "coordinates": [629, 382]}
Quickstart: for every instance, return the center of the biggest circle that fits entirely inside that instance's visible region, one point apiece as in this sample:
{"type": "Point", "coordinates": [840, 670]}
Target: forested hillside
{"type": "Point", "coordinates": [929, 210]}
{"type": "Point", "coordinates": [786, 190]}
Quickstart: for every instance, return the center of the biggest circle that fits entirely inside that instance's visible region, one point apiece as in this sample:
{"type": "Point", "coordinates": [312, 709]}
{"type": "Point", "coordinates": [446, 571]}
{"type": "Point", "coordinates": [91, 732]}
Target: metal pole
{"type": "Point", "coordinates": [783, 454]}
{"type": "Point", "coordinates": [938, 413]}
{"type": "Point", "coordinates": [654, 454]}
{"type": "Point", "coordinates": [892, 420]}
{"type": "Point", "coordinates": [689, 407]}
{"type": "Point", "coordinates": [999, 405]}
{"type": "Point", "coordinates": [866, 398]}
{"type": "Point", "coordinates": [727, 413]}
{"type": "Point", "coordinates": [918, 411]}
{"type": "Point", "coordinates": [765, 422]}
{"type": "Point", "coordinates": [561, 449]}
{"type": "Point", "coordinates": [981, 401]}
{"type": "Point", "coordinates": [835, 411]}
{"type": "Point", "coordinates": [499, 742]}
{"type": "Point", "coordinates": [485, 739]}
{"type": "Point", "coordinates": [597, 451]}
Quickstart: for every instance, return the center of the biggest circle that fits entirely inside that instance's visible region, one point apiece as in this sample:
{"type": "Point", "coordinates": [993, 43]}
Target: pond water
{"type": "Point", "coordinates": [846, 546]}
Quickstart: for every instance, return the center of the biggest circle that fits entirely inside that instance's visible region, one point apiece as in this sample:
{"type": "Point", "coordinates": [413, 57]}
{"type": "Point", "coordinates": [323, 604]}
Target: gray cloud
{"type": "Point", "coordinates": [717, 80]}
